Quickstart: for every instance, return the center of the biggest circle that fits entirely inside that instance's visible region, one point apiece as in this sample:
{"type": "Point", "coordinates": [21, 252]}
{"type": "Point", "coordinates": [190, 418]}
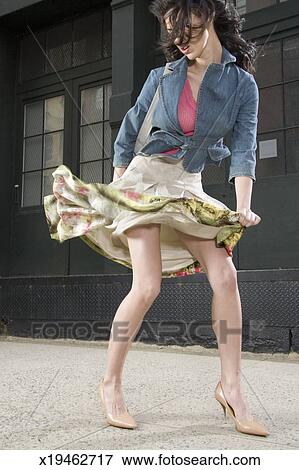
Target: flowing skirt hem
{"type": "Point", "coordinates": [99, 213]}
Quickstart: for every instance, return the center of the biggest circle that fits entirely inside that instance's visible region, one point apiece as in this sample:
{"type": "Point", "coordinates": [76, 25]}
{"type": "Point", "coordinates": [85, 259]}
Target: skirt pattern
{"type": "Point", "coordinates": [153, 189]}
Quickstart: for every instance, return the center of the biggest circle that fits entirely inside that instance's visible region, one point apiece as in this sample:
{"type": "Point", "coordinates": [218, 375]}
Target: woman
{"type": "Point", "coordinates": [154, 216]}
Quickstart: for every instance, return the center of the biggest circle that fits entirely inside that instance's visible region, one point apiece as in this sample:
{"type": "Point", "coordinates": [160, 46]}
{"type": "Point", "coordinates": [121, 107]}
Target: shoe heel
{"type": "Point", "coordinates": [245, 426]}
{"type": "Point", "coordinates": [224, 412]}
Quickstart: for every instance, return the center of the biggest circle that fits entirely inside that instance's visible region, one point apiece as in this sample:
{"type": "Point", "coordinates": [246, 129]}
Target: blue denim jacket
{"type": "Point", "coordinates": [228, 99]}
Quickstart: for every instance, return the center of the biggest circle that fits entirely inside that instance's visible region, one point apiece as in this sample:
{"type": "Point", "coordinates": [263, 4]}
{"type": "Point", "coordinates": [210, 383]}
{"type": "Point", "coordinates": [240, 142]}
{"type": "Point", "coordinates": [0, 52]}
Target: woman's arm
{"type": "Point", "coordinates": [243, 144]}
{"type": "Point", "coordinates": [118, 172]}
{"type": "Point", "coordinates": [243, 160]}
{"type": "Point", "coordinates": [243, 188]}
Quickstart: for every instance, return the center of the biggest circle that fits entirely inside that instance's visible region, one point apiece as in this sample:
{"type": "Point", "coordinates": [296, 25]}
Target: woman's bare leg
{"type": "Point", "coordinates": [145, 251]}
{"type": "Point", "coordinates": [226, 314]}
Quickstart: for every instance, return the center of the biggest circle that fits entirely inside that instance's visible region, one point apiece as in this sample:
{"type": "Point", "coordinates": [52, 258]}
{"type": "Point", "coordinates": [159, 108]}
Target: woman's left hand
{"type": "Point", "coordinates": [248, 218]}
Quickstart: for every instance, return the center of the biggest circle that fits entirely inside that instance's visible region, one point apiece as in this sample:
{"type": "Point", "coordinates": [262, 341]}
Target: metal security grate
{"type": "Point", "coordinates": [213, 174]}
{"type": "Point", "coordinates": [32, 60]}
{"type": "Point", "coordinates": [88, 32]}
{"type": "Point", "coordinates": [59, 48]}
{"type": "Point", "coordinates": [180, 314]}
{"type": "Point", "coordinates": [66, 45]}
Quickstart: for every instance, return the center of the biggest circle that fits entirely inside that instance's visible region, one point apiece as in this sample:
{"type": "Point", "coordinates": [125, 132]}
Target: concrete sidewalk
{"type": "Point", "coordinates": [49, 397]}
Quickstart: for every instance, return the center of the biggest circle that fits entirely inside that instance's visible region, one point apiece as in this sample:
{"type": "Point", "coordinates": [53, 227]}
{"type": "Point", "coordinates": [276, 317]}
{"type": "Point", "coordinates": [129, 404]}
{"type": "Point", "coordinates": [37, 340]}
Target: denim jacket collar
{"type": "Point", "coordinates": [175, 80]}
{"type": "Point", "coordinates": [182, 62]}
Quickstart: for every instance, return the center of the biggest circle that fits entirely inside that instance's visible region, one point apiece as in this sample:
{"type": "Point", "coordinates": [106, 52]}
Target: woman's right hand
{"type": "Point", "coordinates": [118, 172]}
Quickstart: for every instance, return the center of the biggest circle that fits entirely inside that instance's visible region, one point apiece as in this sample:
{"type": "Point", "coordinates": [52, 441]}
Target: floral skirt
{"type": "Point", "coordinates": [153, 189]}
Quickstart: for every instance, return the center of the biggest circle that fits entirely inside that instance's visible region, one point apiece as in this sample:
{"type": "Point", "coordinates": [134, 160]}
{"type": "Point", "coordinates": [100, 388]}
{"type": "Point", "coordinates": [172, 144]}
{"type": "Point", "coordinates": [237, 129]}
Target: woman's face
{"type": "Point", "coordinates": [198, 40]}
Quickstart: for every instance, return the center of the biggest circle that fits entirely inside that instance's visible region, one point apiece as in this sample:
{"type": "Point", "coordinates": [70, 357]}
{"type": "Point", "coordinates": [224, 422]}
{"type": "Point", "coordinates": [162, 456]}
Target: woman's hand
{"type": "Point", "coordinates": [248, 218]}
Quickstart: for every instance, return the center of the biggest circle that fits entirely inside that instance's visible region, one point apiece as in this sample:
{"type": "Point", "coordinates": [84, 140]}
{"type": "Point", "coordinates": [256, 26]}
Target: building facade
{"type": "Point", "coordinates": [69, 72]}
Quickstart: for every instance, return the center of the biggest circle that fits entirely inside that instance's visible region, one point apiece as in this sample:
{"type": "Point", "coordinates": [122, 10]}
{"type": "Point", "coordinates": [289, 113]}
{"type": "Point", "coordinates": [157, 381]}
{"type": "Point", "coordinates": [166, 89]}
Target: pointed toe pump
{"type": "Point", "coordinates": [123, 420]}
{"type": "Point", "coordinates": [244, 425]}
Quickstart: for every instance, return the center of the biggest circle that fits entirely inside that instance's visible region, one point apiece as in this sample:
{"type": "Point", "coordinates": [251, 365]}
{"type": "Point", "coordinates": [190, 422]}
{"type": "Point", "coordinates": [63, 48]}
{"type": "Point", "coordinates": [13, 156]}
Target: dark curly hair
{"type": "Point", "coordinates": [227, 23]}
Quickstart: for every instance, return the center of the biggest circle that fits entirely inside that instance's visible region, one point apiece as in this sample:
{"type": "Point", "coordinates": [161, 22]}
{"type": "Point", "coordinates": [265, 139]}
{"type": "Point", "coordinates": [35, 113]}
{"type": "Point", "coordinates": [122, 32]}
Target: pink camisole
{"type": "Point", "coordinates": [186, 113]}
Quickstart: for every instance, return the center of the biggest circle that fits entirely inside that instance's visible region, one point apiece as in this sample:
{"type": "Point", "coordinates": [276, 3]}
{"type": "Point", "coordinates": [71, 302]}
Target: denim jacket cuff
{"type": "Point", "coordinates": [231, 178]}
{"type": "Point", "coordinates": [120, 161]}
{"type": "Point", "coordinates": [244, 164]}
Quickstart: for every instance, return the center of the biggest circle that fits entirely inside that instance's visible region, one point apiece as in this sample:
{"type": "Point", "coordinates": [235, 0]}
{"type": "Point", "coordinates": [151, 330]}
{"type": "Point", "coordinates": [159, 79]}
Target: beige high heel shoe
{"type": "Point", "coordinates": [123, 420]}
{"type": "Point", "coordinates": [245, 426]}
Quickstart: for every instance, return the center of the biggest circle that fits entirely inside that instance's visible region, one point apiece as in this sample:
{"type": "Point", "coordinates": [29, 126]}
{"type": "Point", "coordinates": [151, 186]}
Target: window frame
{"type": "Point", "coordinates": [22, 100]}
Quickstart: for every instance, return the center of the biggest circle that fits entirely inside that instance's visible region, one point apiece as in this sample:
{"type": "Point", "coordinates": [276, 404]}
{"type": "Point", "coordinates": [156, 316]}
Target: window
{"type": "Point", "coordinates": [292, 140]}
{"type": "Point", "coordinates": [95, 135]}
{"type": "Point", "coordinates": [269, 64]}
{"type": "Point", "coordinates": [271, 108]}
{"type": "Point", "coordinates": [246, 6]}
{"type": "Point", "coordinates": [278, 128]}
{"type": "Point", "coordinates": [59, 48]}
{"type": "Point", "coordinates": [66, 45]}
{"type": "Point", "coordinates": [68, 127]}
{"type": "Point", "coordinates": [42, 147]}
{"type": "Point", "coordinates": [291, 58]}
{"type": "Point", "coordinates": [271, 154]}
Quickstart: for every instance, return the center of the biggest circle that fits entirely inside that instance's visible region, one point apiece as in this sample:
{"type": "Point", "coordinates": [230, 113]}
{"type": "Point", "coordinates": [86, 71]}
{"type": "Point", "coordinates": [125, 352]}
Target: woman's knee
{"type": "Point", "coordinates": [145, 251]}
{"type": "Point", "coordinates": [147, 290]}
{"type": "Point", "coordinates": [224, 278]}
